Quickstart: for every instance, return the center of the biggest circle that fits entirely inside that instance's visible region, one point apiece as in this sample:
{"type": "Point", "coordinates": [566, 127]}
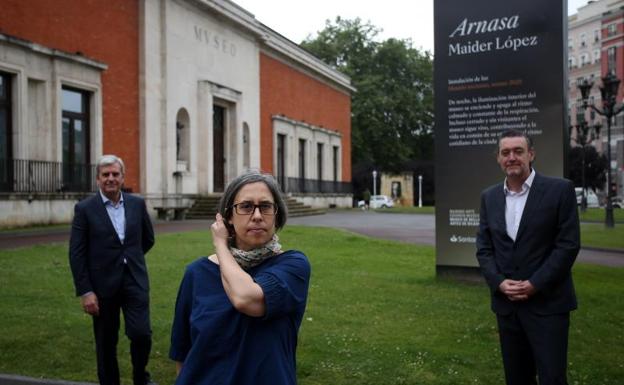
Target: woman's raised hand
{"type": "Point", "coordinates": [219, 230]}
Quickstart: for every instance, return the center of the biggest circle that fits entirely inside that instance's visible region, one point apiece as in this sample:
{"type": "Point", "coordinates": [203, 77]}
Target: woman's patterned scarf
{"type": "Point", "coordinates": [251, 258]}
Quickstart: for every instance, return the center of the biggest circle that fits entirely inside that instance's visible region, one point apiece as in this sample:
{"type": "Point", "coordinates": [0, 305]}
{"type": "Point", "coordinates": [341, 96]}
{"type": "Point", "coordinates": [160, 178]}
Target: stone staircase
{"type": "Point", "coordinates": [205, 207]}
{"type": "Point", "coordinates": [298, 209]}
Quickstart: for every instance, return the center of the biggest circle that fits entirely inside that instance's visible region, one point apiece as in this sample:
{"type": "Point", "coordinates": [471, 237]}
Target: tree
{"type": "Point", "coordinates": [595, 167]}
{"type": "Point", "coordinates": [392, 109]}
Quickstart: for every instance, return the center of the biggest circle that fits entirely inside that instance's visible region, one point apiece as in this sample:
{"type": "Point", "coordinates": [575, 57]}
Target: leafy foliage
{"type": "Point", "coordinates": [595, 167]}
{"type": "Point", "coordinates": [392, 109]}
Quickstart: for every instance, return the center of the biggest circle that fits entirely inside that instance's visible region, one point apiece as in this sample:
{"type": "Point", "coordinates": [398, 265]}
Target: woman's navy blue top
{"type": "Point", "coordinates": [218, 345]}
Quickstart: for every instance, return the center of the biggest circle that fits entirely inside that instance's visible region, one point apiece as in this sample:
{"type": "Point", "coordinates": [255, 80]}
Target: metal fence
{"type": "Point", "coordinates": [299, 185]}
{"type": "Point", "coordinates": [36, 176]}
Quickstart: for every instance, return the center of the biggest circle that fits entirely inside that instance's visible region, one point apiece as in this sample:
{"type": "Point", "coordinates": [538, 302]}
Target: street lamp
{"type": "Point", "coordinates": [608, 92]}
{"type": "Point", "coordinates": [420, 178]}
{"type": "Point", "coordinates": [374, 182]}
{"type": "Point", "coordinates": [585, 135]}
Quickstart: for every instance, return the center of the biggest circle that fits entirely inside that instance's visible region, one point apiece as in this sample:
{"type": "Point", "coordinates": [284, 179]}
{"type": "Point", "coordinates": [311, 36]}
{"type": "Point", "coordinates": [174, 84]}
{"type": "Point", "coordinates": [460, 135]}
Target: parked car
{"type": "Point", "coordinates": [617, 202]}
{"type": "Point", "coordinates": [380, 201]}
{"type": "Point", "coordinates": [590, 195]}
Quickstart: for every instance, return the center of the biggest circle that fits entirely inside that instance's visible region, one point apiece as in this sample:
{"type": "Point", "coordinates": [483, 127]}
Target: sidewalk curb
{"type": "Point", "coordinates": [9, 379]}
{"type": "Point", "coordinates": [603, 249]}
{"type": "Point", "coordinates": [35, 232]}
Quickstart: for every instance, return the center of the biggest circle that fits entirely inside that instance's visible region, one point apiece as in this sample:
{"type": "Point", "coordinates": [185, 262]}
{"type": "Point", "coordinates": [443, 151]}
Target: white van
{"type": "Point", "coordinates": [590, 195]}
{"type": "Point", "coordinates": [380, 201]}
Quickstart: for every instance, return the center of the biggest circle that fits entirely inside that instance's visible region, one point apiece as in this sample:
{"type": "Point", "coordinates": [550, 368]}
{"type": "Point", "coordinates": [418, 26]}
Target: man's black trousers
{"type": "Point", "coordinates": [134, 302]}
{"type": "Point", "coordinates": [533, 344]}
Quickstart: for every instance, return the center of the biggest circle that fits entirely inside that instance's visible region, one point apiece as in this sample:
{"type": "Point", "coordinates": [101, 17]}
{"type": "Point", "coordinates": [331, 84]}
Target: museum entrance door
{"type": "Point", "coordinates": [218, 127]}
{"type": "Point", "coordinates": [281, 161]}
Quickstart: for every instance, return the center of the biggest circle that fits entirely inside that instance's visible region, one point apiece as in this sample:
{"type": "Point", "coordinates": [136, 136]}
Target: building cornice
{"type": "Point", "coordinates": [275, 42]}
{"type": "Point", "coordinates": [312, 127]}
{"type": "Point", "coordinates": [52, 52]}
{"type": "Point", "coordinates": [233, 13]}
{"type": "Point", "coordinates": [574, 22]}
{"type": "Point", "coordinates": [612, 15]}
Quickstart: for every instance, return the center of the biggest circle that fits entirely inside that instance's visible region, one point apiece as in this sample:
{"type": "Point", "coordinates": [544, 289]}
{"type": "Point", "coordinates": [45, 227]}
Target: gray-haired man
{"type": "Point", "coordinates": [111, 232]}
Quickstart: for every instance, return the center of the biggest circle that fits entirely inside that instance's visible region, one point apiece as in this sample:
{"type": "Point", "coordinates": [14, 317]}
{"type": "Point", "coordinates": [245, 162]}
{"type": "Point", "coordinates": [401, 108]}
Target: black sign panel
{"type": "Point", "coordinates": [498, 65]}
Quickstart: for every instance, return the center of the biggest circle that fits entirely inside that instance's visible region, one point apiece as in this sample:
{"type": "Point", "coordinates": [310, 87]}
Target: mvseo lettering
{"type": "Point", "coordinates": [215, 41]}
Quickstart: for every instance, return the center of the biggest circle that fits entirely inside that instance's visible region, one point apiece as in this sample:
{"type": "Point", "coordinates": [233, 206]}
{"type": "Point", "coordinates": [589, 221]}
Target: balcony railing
{"type": "Point", "coordinates": [36, 176]}
{"type": "Point", "coordinates": [299, 185]}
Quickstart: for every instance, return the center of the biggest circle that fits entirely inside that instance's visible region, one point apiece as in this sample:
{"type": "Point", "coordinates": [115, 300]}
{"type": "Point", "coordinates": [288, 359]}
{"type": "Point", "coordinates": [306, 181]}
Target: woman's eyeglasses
{"type": "Point", "coordinates": [248, 208]}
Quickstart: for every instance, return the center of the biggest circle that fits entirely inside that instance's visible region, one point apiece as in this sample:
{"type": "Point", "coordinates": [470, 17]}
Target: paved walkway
{"type": "Point", "coordinates": [9, 379]}
{"type": "Point", "coordinates": [411, 228]}
{"type": "Point", "coordinates": [420, 229]}
{"type": "Point", "coordinates": [22, 238]}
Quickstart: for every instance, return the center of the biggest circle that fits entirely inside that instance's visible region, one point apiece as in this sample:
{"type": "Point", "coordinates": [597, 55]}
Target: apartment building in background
{"type": "Point", "coordinates": [596, 48]}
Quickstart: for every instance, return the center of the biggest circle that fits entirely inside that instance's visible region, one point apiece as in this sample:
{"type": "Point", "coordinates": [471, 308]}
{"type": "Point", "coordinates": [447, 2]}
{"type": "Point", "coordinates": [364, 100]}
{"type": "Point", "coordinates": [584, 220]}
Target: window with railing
{"type": "Point", "coordinates": [611, 60]}
{"type": "Point", "coordinates": [281, 160]}
{"type": "Point", "coordinates": [584, 59]}
{"type": "Point", "coordinates": [302, 158]}
{"type": "Point", "coordinates": [37, 176]}
{"type": "Point", "coordinates": [335, 162]}
{"type": "Point", "coordinates": [301, 185]}
{"type": "Point", "coordinates": [319, 160]}
{"type": "Point", "coordinates": [6, 136]}
{"type": "Point", "coordinates": [76, 139]}
{"type": "Point", "coordinates": [306, 157]}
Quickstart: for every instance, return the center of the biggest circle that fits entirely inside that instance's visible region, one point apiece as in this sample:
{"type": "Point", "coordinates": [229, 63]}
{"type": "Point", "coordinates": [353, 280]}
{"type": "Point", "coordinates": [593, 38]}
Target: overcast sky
{"type": "Point", "coordinates": [403, 19]}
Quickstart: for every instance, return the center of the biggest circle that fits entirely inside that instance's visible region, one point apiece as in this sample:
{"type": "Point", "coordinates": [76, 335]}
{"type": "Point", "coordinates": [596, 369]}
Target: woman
{"type": "Point", "coordinates": [239, 310]}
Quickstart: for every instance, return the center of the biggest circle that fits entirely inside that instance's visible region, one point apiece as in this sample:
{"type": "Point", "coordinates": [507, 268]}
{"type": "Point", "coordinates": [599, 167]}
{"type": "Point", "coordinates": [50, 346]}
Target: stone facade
{"type": "Point", "coordinates": [399, 187]}
{"type": "Point", "coordinates": [287, 93]}
{"type": "Point", "coordinates": [106, 32]}
{"type": "Point", "coordinates": [192, 61]}
{"type": "Point", "coordinates": [188, 92]}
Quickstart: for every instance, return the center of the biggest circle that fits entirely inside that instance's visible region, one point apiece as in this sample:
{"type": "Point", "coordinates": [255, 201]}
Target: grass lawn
{"type": "Point", "coordinates": [376, 315]}
{"type": "Point", "coordinates": [597, 235]}
{"type": "Point", "coordinates": [598, 215]}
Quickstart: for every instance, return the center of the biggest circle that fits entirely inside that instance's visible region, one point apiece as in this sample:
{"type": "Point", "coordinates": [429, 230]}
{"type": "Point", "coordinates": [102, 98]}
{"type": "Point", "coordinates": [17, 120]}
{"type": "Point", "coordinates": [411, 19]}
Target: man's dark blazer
{"type": "Point", "coordinates": [96, 254]}
{"type": "Point", "coordinates": [546, 245]}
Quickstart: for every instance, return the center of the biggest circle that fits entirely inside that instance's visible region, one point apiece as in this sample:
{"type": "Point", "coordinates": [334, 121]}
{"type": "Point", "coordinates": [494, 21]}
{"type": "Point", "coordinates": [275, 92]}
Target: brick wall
{"type": "Point", "coordinates": [287, 91]}
{"type": "Point", "coordinates": [104, 30]}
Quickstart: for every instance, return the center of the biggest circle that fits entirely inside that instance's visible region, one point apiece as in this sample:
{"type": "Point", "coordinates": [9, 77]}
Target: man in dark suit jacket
{"type": "Point", "coordinates": [111, 232]}
{"type": "Point", "coordinates": [527, 242]}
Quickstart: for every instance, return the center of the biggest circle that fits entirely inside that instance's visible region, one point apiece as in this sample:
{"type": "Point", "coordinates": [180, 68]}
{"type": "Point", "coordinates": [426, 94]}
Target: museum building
{"type": "Point", "coordinates": [188, 92]}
